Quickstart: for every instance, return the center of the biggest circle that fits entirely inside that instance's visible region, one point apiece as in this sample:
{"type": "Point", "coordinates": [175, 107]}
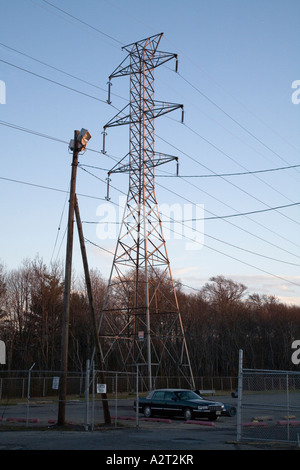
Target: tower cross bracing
{"type": "Point", "coordinates": [140, 321]}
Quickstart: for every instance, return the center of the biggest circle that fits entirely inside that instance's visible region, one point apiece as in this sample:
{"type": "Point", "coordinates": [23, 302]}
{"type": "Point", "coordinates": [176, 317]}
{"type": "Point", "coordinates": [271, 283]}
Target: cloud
{"type": "Point", "coordinates": [183, 271]}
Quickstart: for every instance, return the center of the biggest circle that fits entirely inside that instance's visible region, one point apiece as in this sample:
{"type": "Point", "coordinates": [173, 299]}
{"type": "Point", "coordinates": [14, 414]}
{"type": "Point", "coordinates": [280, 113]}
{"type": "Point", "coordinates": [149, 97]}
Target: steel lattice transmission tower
{"type": "Point", "coordinates": [140, 322]}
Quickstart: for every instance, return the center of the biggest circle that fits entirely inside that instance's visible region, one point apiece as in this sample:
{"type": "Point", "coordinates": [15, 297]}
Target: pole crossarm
{"type": "Point", "coordinates": [149, 47]}
{"type": "Point", "coordinates": [159, 109]}
{"type": "Point", "coordinates": [159, 159]}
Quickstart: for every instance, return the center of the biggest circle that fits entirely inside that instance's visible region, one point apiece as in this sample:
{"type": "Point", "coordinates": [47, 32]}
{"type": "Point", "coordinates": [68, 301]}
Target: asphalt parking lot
{"type": "Point", "coordinates": [149, 436]}
{"type": "Point", "coordinates": [124, 434]}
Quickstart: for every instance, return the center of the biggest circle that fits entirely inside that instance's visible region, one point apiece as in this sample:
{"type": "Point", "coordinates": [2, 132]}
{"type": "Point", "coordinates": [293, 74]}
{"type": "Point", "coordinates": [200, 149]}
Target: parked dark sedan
{"type": "Point", "coordinates": [179, 402]}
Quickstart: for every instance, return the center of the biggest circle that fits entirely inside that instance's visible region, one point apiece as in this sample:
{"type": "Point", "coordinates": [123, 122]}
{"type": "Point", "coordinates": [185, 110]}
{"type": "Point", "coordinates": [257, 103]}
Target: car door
{"type": "Point", "coordinates": [158, 402]}
{"type": "Point", "coordinates": [171, 404]}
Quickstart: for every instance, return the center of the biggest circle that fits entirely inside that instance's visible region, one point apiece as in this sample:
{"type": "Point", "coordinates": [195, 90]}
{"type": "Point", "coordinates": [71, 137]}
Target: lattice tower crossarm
{"type": "Point", "coordinates": [140, 322]}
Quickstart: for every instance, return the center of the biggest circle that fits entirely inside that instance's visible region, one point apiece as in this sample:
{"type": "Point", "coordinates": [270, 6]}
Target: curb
{"type": "Point", "coordinates": [23, 420]}
{"type": "Point", "coordinates": [201, 423]}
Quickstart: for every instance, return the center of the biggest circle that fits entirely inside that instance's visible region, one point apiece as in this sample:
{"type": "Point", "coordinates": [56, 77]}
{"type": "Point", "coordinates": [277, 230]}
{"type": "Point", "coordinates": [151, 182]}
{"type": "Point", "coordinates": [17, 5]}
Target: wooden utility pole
{"type": "Point", "coordinates": [66, 306]}
{"type": "Point", "coordinates": [92, 310]}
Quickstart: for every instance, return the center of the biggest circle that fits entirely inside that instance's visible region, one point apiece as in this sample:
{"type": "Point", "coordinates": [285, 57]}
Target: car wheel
{"type": "Point", "coordinates": [232, 411]}
{"type": "Point", "coordinates": [187, 414]}
{"type": "Point", "coordinates": [147, 412]}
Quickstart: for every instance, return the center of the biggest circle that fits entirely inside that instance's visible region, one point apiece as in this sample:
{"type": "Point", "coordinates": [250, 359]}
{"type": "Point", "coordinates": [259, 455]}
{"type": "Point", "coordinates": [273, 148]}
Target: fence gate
{"type": "Point", "coordinates": [268, 405]}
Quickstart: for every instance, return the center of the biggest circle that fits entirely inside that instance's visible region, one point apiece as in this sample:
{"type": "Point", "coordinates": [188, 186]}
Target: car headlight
{"type": "Point", "coordinates": [202, 407]}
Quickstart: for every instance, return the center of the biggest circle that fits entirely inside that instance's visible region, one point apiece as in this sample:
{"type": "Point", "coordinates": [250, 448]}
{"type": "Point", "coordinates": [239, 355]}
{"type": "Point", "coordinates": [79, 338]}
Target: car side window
{"type": "Point", "coordinates": [169, 395]}
{"type": "Point", "coordinates": [158, 396]}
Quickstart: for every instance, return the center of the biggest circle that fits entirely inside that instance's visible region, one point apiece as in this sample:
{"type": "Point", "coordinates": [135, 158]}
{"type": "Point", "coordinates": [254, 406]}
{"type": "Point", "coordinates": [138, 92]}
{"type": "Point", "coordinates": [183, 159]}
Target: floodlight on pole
{"type": "Point", "coordinates": [82, 139]}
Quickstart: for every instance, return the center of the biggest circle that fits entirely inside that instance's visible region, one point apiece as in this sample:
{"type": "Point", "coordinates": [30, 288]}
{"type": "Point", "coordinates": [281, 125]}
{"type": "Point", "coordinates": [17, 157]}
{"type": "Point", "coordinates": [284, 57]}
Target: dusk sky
{"type": "Point", "coordinates": [237, 197]}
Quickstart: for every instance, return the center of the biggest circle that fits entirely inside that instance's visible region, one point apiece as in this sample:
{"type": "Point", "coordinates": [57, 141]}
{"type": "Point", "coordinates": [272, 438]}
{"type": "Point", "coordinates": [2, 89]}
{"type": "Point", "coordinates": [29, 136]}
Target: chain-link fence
{"type": "Point", "coordinates": [32, 396]}
{"type": "Point", "coordinates": [269, 406]}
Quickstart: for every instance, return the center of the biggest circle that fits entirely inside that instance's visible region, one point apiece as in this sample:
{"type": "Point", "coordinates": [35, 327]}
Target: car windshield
{"type": "Point", "coordinates": [187, 395]}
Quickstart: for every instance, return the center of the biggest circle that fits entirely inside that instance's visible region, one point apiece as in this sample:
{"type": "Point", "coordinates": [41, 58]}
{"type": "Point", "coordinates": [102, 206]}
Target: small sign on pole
{"type": "Point", "coordinates": [141, 335]}
{"type": "Point", "coordinates": [55, 383]}
{"type": "Point", "coordinates": [101, 388]}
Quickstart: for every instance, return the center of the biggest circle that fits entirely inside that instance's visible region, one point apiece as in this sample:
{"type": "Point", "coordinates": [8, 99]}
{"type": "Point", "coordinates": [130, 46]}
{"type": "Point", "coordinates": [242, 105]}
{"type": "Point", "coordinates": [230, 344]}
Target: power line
{"type": "Point", "coordinates": [246, 192]}
{"type": "Point", "coordinates": [220, 217]}
{"type": "Point", "coordinates": [82, 93]}
{"type": "Point", "coordinates": [30, 131]}
{"type": "Point", "coordinates": [59, 140]}
{"type": "Point", "coordinates": [241, 228]}
{"type": "Point", "coordinates": [217, 216]}
{"type": "Point", "coordinates": [233, 119]}
{"type": "Point", "coordinates": [39, 134]}
{"type": "Point", "coordinates": [80, 20]}
{"type": "Point", "coordinates": [52, 67]}
{"type": "Point", "coordinates": [244, 213]}
{"type": "Point", "coordinates": [182, 222]}
{"type": "Point", "coordinates": [186, 126]}
{"type": "Point", "coordinates": [46, 136]}
{"type": "Point", "coordinates": [53, 81]}
{"type": "Point", "coordinates": [218, 175]}
{"type": "Point", "coordinates": [210, 236]}
{"type": "Point", "coordinates": [49, 188]}
{"type": "Point", "coordinates": [214, 249]}
{"type": "Point", "coordinates": [229, 182]}
{"type": "Point", "coordinates": [233, 245]}
{"type": "Point", "coordinates": [240, 261]}
{"type": "Point", "coordinates": [59, 70]}
{"type": "Point", "coordinates": [202, 176]}
{"type": "Point", "coordinates": [220, 252]}
{"type": "Point", "coordinates": [112, 253]}
{"type": "Point", "coordinates": [255, 175]}
{"type": "Point", "coordinates": [103, 89]}
{"type": "Point", "coordinates": [98, 168]}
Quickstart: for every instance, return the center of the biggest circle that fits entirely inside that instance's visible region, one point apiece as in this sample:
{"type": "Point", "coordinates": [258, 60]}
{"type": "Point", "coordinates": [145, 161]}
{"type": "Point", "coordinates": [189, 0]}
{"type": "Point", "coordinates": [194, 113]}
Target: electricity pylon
{"type": "Point", "coordinates": [140, 323]}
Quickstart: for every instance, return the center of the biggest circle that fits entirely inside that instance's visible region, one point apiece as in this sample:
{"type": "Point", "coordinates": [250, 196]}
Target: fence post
{"type": "Point", "coordinates": [28, 392]}
{"type": "Point", "coordinates": [240, 391]}
{"type": "Point", "coordinates": [137, 396]}
{"type": "Point", "coordinates": [116, 400]}
{"type": "Point", "coordinates": [288, 406]}
{"type": "Point", "coordinates": [93, 397]}
{"type": "Point", "coordinates": [87, 383]}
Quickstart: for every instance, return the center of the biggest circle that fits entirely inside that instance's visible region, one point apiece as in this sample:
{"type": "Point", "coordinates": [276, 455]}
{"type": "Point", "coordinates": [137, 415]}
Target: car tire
{"type": "Point", "coordinates": [147, 412]}
{"type": "Point", "coordinates": [187, 414]}
{"type": "Point", "coordinates": [232, 411]}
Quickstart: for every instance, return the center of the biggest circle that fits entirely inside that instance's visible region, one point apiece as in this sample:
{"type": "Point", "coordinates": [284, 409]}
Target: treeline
{"type": "Point", "coordinates": [221, 318]}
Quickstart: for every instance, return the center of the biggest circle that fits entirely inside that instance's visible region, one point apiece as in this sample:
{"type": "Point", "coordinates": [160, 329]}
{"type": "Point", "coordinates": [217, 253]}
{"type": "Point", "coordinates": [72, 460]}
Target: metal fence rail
{"type": "Point", "coordinates": [14, 384]}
